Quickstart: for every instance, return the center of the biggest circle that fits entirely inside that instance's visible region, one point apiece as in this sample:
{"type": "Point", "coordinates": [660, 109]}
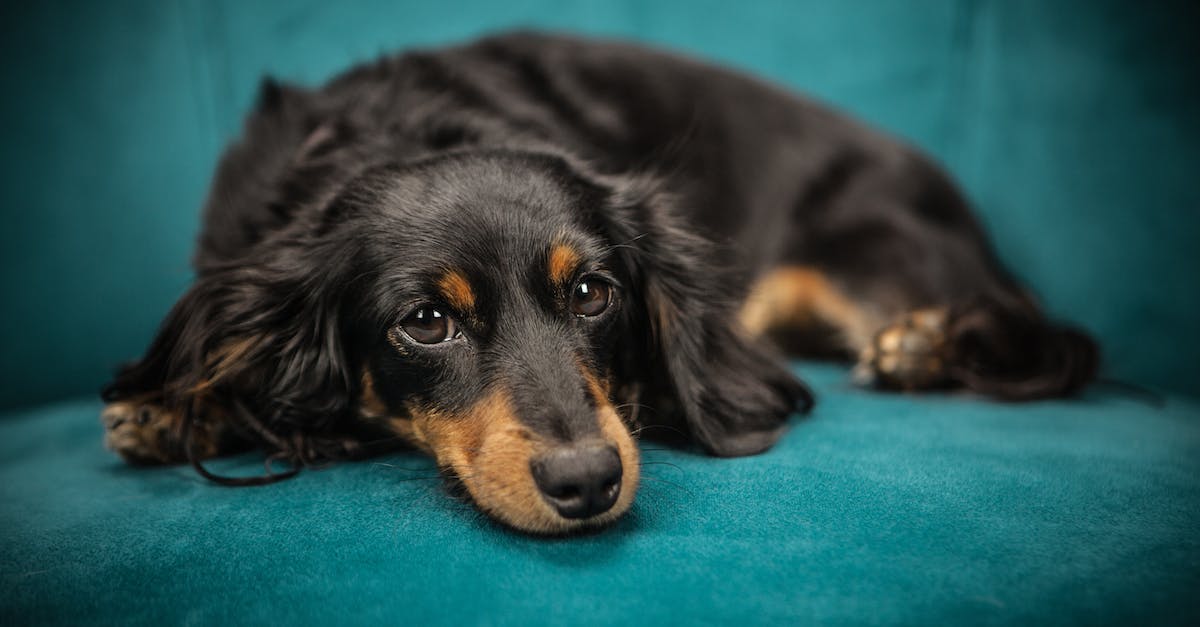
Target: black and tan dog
{"type": "Point", "coordinates": [516, 253]}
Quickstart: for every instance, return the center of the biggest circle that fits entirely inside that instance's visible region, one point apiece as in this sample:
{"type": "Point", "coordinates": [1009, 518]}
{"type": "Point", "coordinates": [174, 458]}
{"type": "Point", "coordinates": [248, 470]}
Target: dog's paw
{"type": "Point", "coordinates": [142, 433]}
{"type": "Point", "coordinates": [908, 355]}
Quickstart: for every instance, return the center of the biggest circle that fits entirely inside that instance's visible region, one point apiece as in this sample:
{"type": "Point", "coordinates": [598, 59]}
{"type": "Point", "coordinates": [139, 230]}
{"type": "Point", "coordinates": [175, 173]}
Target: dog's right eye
{"type": "Point", "coordinates": [590, 297]}
{"type": "Point", "coordinates": [430, 326]}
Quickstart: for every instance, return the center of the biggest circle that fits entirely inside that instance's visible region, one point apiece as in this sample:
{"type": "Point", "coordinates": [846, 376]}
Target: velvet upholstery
{"type": "Point", "coordinates": [879, 509]}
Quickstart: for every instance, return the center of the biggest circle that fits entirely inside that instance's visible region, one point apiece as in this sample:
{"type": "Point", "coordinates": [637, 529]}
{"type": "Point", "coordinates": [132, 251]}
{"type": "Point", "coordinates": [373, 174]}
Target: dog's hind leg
{"type": "Point", "coordinates": [890, 268]}
{"type": "Point", "coordinates": [805, 312]}
{"type": "Point", "coordinates": [1006, 350]}
{"type": "Point", "coordinates": [1002, 347]}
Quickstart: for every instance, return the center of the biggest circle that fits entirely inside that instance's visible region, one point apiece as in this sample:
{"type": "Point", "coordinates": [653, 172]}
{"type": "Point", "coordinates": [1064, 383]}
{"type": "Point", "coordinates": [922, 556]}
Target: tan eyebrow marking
{"type": "Point", "coordinates": [562, 264]}
{"type": "Point", "coordinates": [457, 291]}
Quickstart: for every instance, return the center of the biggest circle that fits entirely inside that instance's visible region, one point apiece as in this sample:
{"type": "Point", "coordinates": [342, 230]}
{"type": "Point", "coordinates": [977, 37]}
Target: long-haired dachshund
{"type": "Point", "coordinates": [516, 254]}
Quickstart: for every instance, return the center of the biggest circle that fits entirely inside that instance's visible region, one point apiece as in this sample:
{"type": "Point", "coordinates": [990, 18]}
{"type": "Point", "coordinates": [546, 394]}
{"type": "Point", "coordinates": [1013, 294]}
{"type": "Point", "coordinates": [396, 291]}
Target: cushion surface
{"type": "Point", "coordinates": [876, 509]}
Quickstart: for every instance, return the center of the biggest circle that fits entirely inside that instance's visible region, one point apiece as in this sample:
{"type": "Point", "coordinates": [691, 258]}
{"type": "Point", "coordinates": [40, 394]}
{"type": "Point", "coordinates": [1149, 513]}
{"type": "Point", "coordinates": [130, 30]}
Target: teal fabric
{"type": "Point", "coordinates": [878, 510]}
{"type": "Point", "coordinates": [1072, 124]}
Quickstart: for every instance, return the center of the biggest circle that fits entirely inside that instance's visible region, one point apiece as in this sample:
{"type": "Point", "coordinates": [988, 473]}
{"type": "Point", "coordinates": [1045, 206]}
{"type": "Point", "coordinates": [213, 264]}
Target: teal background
{"type": "Point", "coordinates": [1073, 125]}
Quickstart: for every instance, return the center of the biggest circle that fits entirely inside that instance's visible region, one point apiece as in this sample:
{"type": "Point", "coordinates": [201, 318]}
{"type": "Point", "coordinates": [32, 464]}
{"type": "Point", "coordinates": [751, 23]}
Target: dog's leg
{"type": "Point", "coordinates": [1004, 349]}
{"type": "Point", "coordinates": [1001, 346]}
{"type": "Point", "coordinates": [796, 301]}
{"type": "Point", "coordinates": [803, 310]}
{"type": "Point", "coordinates": [145, 433]}
{"type": "Point", "coordinates": [885, 262]}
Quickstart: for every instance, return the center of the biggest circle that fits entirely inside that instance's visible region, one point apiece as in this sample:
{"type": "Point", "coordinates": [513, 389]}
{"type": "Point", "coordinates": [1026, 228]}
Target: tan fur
{"type": "Point", "coordinates": [910, 354]}
{"type": "Point", "coordinates": [457, 291]}
{"type": "Point", "coordinates": [798, 296]}
{"type": "Point", "coordinates": [143, 432]}
{"type": "Point", "coordinates": [369, 403]}
{"type": "Point", "coordinates": [662, 310]}
{"type": "Point", "coordinates": [562, 264]}
{"type": "Point", "coordinates": [490, 451]}
{"type": "Point", "coordinates": [616, 432]}
{"type": "Point", "coordinates": [223, 362]}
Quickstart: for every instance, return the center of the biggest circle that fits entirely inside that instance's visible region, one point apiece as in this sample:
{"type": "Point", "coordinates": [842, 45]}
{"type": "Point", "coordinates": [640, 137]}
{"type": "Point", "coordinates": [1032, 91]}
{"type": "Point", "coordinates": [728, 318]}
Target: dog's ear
{"type": "Point", "coordinates": [731, 392]}
{"type": "Point", "coordinates": [260, 337]}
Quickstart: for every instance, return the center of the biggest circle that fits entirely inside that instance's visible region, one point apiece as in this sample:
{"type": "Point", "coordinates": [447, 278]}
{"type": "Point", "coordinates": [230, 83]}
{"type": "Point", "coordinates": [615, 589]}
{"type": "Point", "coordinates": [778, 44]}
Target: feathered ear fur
{"type": "Point", "coordinates": [731, 392]}
{"type": "Point", "coordinates": [256, 343]}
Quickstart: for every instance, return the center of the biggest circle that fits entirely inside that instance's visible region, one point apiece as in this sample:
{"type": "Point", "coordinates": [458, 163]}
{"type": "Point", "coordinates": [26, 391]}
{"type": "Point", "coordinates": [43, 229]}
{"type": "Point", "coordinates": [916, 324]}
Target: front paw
{"type": "Point", "coordinates": [142, 433]}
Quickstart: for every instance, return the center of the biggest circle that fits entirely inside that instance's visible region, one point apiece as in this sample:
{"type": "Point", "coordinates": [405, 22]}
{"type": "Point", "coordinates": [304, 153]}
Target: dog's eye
{"type": "Point", "coordinates": [430, 326]}
{"type": "Point", "coordinates": [590, 297]}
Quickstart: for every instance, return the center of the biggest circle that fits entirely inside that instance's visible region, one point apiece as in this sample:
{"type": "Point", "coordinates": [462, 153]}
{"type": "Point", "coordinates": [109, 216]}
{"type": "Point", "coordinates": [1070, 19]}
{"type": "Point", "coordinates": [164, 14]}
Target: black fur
{"type": "Point", "coordinates": [680, 181]}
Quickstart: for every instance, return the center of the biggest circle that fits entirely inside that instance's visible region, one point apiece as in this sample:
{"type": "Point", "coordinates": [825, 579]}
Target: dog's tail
{"type": "Point", "coordinates": [1011, 351]}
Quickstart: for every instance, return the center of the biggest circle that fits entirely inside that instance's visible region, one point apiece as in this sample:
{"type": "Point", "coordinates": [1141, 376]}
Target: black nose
{"type": "Point", "coordinates": [579, 481]}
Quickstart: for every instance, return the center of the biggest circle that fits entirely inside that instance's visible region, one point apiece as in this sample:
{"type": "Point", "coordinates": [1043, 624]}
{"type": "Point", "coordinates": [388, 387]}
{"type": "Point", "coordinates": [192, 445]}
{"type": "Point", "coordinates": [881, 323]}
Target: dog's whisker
{"type": "Point", "coordinates": [430, 478]}
{"type": "Point", "coordinates": [396, 467]}
{"type": "Point", "coordinates": [643, 464]}
{"type": "Point", "coordinates": [656, 426]}
{"type": "Point", "coordinates": [626, 244]}
{"type": "Point", "coordinates": [677, 486]}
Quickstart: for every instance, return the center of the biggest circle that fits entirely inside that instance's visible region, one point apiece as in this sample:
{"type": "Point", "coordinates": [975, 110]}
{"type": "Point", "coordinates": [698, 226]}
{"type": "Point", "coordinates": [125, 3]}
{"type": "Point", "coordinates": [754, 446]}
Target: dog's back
{"type": "Point", "coordinates": [832, 230]}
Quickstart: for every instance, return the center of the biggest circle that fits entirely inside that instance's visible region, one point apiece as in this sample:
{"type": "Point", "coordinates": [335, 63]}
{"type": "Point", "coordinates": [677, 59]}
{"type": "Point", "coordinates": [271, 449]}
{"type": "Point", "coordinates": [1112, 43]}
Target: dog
{"type": "Point", "coordinates": [518, 253]}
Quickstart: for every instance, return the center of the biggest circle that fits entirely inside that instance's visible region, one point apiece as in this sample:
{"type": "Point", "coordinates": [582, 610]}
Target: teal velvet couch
{"type": "Point", "coordinates": [1072, 125]}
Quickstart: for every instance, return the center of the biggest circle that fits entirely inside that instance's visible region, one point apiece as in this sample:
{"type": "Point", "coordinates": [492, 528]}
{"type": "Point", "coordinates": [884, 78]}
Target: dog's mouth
{"type": "Point", "coordinates": [525, 483]}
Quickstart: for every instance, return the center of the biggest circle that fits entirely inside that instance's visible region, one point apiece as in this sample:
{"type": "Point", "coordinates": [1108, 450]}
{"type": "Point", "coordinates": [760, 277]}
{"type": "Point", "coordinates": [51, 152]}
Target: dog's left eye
{"type": "Point", "coordinates": [430, 326]}
{"type": "Point", "coordinates": [590, 297]}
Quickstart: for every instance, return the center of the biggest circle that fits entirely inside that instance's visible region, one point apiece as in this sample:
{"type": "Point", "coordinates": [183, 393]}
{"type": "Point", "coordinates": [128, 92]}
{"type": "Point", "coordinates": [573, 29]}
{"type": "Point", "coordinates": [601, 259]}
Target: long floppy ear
{"type": "Point", "coordinates": [256, 343]}
{"type": "Point", "coordinates": [731, 392]}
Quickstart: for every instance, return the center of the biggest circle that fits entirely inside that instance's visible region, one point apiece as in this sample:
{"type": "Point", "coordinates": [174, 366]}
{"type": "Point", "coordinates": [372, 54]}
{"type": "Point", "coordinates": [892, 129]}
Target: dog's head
{"type": "Point", "coordinates": [487, 327]}
{"type": "Point", "coordinates": [504, 311]}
